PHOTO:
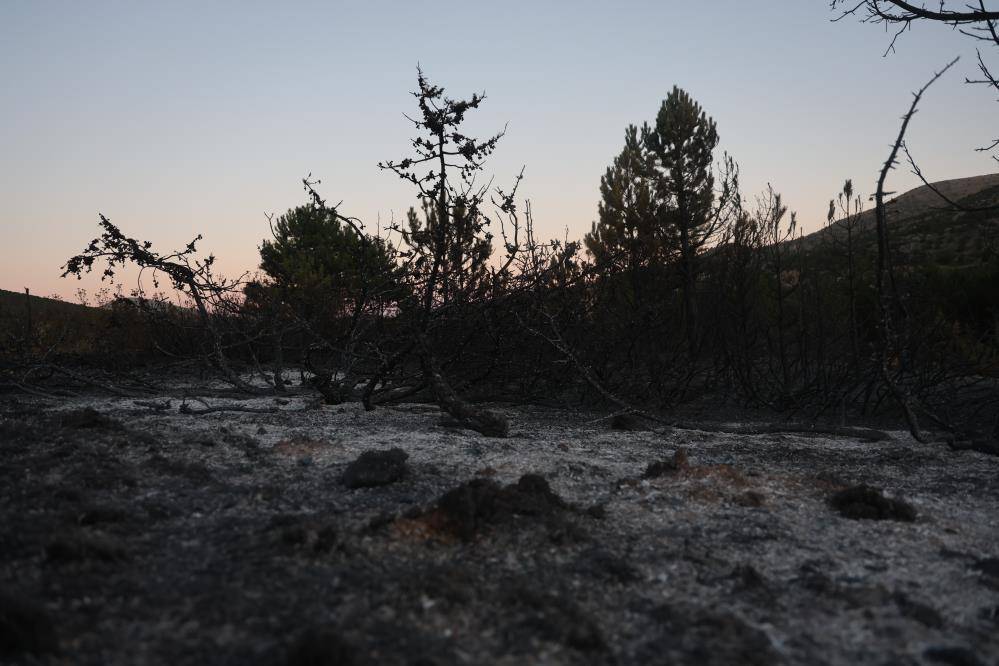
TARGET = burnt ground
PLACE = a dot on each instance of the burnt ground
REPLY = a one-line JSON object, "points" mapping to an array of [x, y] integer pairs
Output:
{"points": [[131, 535]]}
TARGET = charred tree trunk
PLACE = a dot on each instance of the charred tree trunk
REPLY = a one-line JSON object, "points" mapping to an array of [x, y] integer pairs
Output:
{"points": [[483, 421]]}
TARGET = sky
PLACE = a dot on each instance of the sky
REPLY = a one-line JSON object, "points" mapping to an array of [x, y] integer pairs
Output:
{"points": [[181, 118]]}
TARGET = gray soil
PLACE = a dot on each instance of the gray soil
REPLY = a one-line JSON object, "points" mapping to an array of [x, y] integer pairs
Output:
{"points": [[130, 535]]}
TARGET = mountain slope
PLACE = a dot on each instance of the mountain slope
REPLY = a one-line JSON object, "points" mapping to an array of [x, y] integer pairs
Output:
{"points": [[923, 228]]}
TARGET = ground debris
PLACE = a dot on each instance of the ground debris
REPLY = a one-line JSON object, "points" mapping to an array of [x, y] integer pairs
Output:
{"points": [[240, 553], [868, 503]]}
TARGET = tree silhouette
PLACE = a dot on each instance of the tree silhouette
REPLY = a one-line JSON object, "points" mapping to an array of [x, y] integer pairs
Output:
{"points": [[626, 236], [448, 248], [659, 201]]}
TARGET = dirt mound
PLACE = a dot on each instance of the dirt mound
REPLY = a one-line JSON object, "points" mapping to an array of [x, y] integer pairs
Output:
{"points": [[477, 505]]}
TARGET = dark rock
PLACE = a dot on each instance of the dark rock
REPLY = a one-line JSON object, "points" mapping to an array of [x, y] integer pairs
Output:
{"points": [[952, 655], [376, 468], [867, 503], [86, 418], [532, 496], [24, 627], [321, 647]]}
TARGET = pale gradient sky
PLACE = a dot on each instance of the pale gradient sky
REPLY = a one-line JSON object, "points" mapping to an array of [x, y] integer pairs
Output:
{"points": [[185, 117]]}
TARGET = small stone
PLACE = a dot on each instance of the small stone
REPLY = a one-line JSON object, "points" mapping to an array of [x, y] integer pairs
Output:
{"points": [[376, 468]]}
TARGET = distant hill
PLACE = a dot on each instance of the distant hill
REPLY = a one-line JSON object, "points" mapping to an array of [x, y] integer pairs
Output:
{"points": [[14, 304], [923, 228]]}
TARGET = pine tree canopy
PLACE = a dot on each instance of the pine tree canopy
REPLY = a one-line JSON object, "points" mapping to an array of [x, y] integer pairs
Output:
{"points": [[314, 257], [658, 197]]}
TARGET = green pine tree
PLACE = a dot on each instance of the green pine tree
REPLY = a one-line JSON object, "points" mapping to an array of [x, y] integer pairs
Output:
{"points": [[626, 236], [321, 267], [659, 201]]}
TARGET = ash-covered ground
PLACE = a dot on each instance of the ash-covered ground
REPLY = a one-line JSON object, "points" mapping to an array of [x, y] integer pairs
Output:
{"points": [[135, 535]]}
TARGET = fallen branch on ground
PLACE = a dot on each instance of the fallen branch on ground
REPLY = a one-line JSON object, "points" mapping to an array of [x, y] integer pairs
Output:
{"points": [[197, 411], [807, 429], [152, 404]]}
